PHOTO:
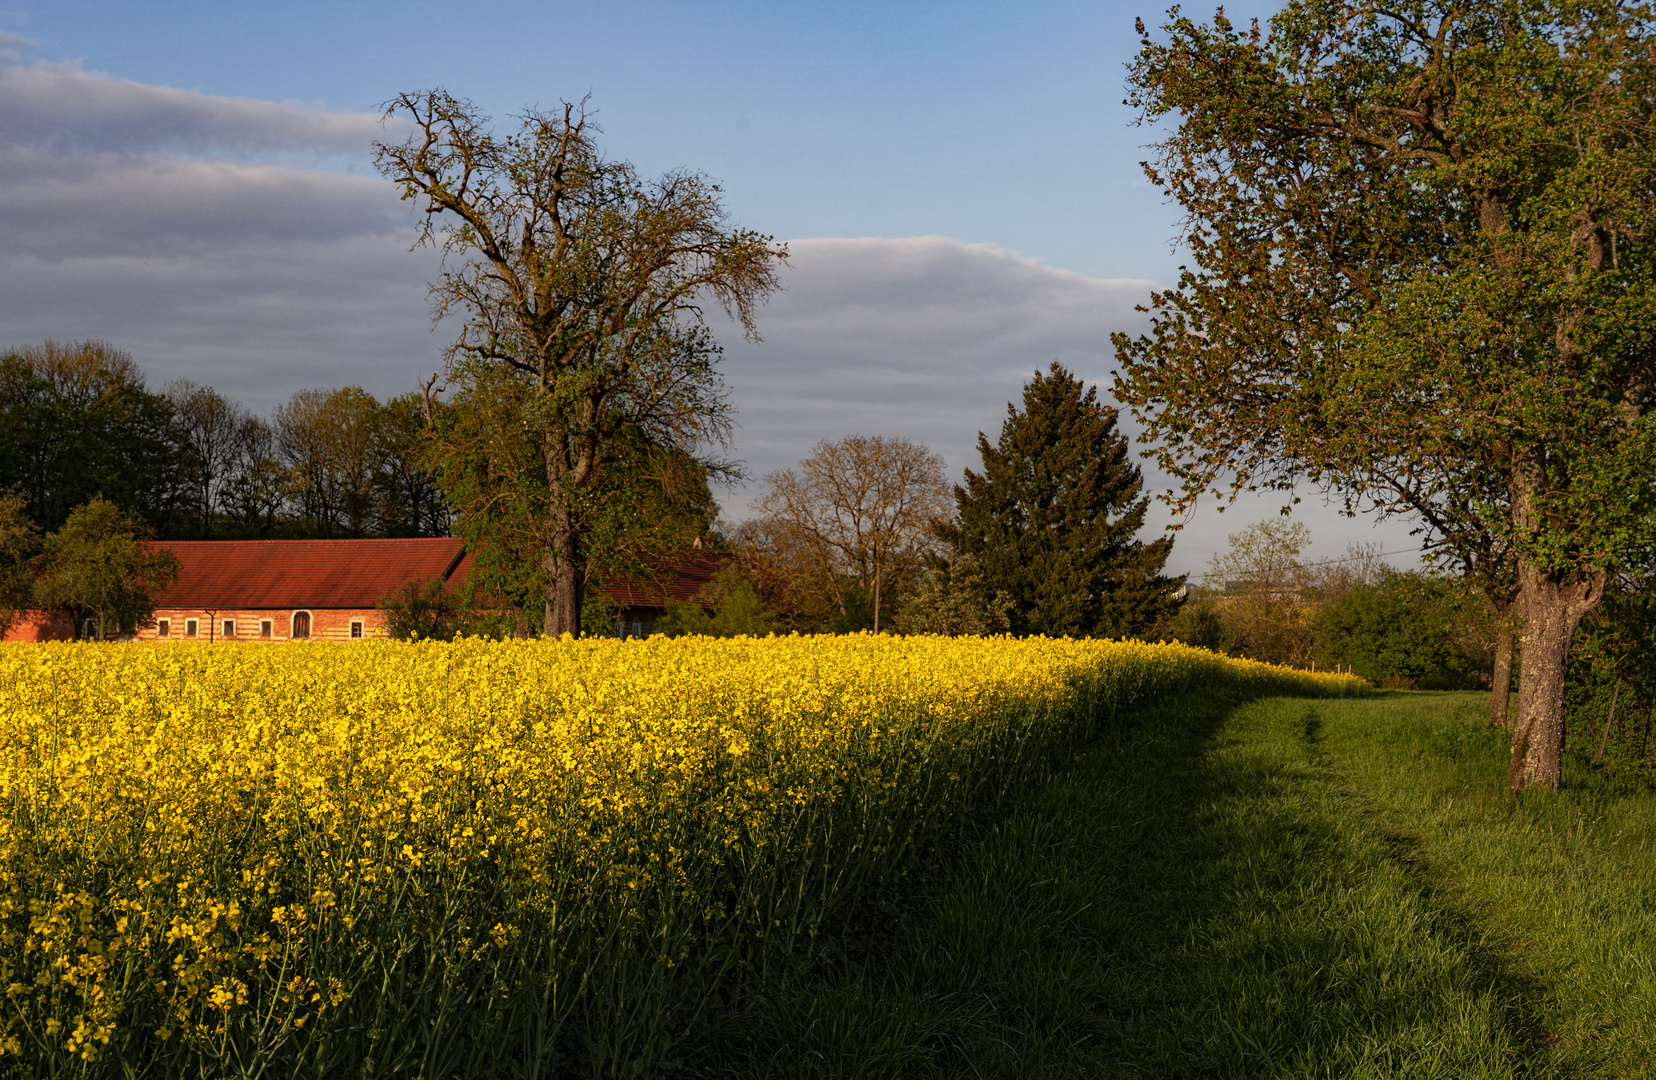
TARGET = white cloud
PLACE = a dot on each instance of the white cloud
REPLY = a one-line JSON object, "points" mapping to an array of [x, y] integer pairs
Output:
{"points": [[187, 229], [60, 105]]}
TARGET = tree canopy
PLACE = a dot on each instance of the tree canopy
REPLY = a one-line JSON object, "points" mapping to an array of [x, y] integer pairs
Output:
{"points": [[854, 520], [1421, 278], [1052, 521], [581, 290], [101, 567]]}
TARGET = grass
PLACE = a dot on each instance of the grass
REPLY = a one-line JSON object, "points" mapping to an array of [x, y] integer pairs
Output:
{"points": [[1283, 888]]}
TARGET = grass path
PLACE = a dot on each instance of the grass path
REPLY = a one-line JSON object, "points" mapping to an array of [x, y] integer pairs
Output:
{"points": [[1282, 889]]}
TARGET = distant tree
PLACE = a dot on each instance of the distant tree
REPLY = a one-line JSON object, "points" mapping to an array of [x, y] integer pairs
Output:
{"points": [[727, 606], [101, 566], [1421, 278], [210, 427], [19, 541], [76, 420], [1053, 519], [949, 599], [1398, 632], [255, 497], [1198, 623], [1264, 583], [409, 501], [585, 287], [859, 511], [326, 438]]}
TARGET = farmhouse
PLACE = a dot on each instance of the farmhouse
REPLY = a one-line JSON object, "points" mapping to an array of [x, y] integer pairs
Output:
{"points": [[293, 590], [328, 590]]}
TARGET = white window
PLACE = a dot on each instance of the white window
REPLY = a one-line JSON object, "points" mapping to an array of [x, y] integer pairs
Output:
{"points": [[229, 627], [356, 628], [265, 627], [163, 627], [189, 628]]}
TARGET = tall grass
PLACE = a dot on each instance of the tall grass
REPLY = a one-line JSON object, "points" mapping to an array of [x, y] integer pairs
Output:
{"points": [[1285, 888], [489, 859]]}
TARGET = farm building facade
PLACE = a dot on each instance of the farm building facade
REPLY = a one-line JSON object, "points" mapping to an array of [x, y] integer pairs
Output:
{"points": [[328, 590], [293, 590]]}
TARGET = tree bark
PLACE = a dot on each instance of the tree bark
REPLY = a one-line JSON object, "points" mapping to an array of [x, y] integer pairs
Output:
{"points": [[1552, 611], [563, 575], [1500, 684]]}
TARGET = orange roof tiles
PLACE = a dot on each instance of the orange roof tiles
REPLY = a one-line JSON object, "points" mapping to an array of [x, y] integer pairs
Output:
{"points": [[302, 573]]}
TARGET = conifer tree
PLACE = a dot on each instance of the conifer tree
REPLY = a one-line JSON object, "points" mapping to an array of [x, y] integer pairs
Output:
{"points": [[1053, 518]]}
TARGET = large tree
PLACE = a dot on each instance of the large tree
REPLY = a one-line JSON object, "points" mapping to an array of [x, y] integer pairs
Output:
{"points": [[101, 568], [1420, 240], [583, 284], [857, 515], [1053, 518]]}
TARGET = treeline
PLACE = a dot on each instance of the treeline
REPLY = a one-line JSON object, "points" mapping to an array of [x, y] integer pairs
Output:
{"points": [[866, 534], [1401, 630], [78, 420]]}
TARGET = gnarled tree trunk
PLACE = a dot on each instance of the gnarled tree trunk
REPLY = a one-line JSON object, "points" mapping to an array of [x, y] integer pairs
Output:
{"points": [[1552, 611]]}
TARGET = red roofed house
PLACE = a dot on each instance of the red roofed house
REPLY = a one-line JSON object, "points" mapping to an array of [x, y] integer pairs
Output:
{"points": [[643, 601], [293, 590], [296, 590]]}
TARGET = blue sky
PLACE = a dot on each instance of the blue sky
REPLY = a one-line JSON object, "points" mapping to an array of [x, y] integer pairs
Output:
{"points": [[959, 184]]}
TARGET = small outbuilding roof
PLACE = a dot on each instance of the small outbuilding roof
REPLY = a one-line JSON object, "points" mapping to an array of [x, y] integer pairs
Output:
{"points": [[681, 580], [244, 574]]}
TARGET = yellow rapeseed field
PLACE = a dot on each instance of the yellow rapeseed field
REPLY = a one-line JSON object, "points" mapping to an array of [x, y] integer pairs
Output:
{"points": [[487, 858]]}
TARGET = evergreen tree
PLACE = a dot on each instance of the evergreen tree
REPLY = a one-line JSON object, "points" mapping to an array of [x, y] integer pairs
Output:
{"points": [[1053, 518]]}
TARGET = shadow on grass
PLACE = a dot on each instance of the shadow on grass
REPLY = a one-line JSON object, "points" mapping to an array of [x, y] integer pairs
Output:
{"points": [[1195, 897]]}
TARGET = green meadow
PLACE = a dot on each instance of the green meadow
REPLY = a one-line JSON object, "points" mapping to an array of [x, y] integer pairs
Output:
{"points": [[1278, 888]]}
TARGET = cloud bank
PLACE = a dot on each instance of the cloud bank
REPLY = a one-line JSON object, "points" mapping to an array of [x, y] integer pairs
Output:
{"points": [[245, 244]]}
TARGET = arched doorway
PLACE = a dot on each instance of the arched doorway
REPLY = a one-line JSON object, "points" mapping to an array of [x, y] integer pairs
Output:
{"points": [[301, 624]]}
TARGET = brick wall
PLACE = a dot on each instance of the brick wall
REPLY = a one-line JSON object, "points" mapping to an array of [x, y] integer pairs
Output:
{"points": [[326, 624]]}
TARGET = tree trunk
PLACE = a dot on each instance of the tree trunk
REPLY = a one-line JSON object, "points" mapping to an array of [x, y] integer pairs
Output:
{"points": [[1551, 613], [563, 576], [1500, 683]]}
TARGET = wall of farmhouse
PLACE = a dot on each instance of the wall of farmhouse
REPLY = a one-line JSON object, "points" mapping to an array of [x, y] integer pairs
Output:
{"points": [[326, 624], [41, 626]]}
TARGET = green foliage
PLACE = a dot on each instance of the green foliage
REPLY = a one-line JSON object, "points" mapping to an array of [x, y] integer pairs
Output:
{"points": [[1611, 698], [1198, 623], [856, 613], [949, 600], [100, 566], [428, 609], [736, 609], [1052, 520], [76, 422], [1422, 278], [1397, 632]]}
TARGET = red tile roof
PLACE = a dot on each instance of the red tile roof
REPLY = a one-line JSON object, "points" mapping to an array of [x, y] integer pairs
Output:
{"points": [[246, 574], [683, 582]]}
